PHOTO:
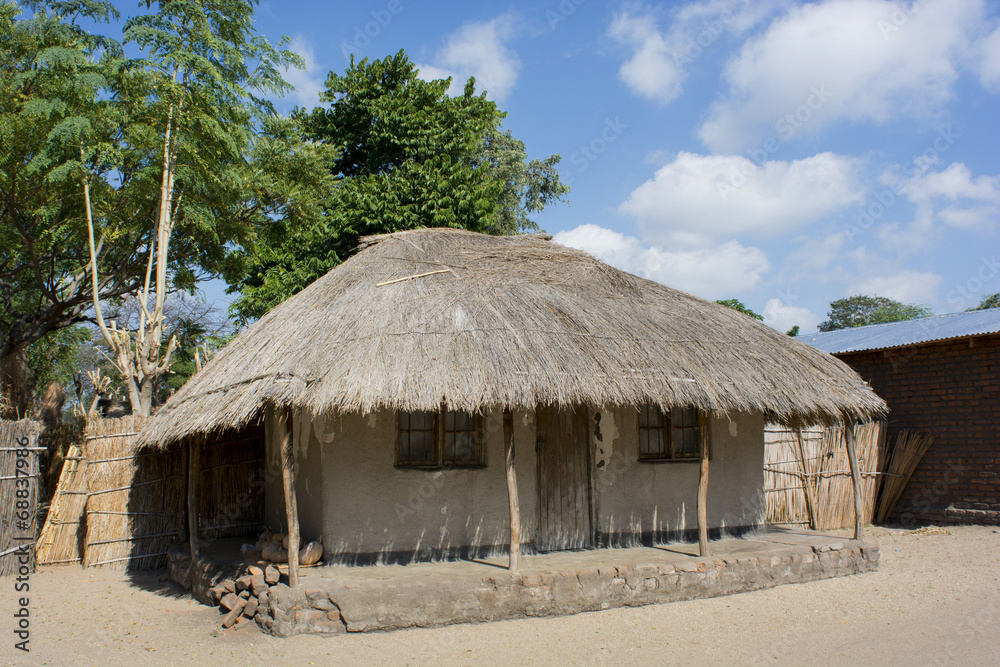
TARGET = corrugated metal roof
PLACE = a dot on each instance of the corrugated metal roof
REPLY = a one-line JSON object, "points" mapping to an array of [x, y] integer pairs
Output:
{"points": [[909, 332]]}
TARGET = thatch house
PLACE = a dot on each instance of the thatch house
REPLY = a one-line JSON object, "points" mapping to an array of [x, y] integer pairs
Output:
{"points": [[403, 382]]}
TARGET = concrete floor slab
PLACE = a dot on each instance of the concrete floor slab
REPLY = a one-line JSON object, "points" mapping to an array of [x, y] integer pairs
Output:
{"points": [[340, 598]]}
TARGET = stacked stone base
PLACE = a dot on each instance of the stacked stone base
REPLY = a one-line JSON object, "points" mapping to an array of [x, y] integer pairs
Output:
{"points": [[240, 591], [329, 606]]}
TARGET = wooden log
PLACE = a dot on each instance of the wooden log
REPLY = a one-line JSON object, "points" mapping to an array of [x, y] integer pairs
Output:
{"points": [[703, 485], [512, 500], [807, 484], [194, 471], [284, 417], [852, 458]]}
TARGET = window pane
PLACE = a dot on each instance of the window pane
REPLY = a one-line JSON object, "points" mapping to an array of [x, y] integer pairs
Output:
{"points": [[461, 446], [416, 438], [685, 442], [650, 416], [421, 446]]}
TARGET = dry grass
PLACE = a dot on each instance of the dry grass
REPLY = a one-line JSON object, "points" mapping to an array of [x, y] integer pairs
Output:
{"points": [[515, 321]]}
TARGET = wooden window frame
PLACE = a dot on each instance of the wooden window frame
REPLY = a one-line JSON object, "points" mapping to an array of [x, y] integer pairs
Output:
{"points": [[667, 455], [438, 438]]}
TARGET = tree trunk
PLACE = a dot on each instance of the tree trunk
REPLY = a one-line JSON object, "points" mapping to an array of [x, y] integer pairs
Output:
{"points": [[15, 384]]}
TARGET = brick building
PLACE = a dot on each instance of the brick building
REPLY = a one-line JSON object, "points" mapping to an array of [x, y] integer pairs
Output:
{"points": [[937, 374]]}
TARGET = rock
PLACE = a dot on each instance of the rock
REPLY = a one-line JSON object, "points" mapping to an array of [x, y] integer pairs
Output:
{"points": [[245, 594], [229, 601], [271, 575], [243, 583], [257, 584], [250, 610], [255, 571], [216, 593], [229, 585], [234, 614]]}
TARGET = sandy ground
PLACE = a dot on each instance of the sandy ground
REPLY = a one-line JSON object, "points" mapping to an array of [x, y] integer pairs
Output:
{"points": [[934, 601]]}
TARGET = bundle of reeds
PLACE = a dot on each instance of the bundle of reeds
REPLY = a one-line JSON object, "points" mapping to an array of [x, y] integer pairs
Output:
{"points": [[907, 453], [62, 535]]}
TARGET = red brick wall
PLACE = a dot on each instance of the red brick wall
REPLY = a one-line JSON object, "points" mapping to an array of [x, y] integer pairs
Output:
{"points": [[951, 389]]}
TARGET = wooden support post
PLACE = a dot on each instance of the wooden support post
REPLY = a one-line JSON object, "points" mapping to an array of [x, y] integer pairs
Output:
{"points": [[807, 484], [852, 458], [194, 472], [703, 485], [515, 510], [284, 416]]}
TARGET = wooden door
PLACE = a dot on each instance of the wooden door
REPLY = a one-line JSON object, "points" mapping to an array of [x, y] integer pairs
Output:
{"points": [[564, 513]]}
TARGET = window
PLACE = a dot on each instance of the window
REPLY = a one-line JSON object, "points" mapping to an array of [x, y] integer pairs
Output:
{"points": [[668, 438], [442, 439]]}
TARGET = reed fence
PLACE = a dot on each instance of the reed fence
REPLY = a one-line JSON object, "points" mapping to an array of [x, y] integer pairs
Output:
{"points": [[807, 477], [119, 506], [20, 491]]}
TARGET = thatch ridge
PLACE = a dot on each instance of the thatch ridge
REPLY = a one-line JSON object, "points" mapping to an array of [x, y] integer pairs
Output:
{"points": [[430, 315]]}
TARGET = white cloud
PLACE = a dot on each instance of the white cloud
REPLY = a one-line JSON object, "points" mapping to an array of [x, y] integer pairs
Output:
{"points": [[818, 254], [659, 62], [973, 202], [654, 70], [781, 316], [310, 82], [697, 199], [478, 49], [989, 68], [712, 273], [837, 60], [906, 286]]}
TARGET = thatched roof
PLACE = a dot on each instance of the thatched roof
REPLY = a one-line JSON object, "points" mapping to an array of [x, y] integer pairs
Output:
{"points": [[509, 321]]}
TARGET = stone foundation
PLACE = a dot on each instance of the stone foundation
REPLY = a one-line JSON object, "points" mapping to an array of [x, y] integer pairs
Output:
{"points": [[336, 605]]}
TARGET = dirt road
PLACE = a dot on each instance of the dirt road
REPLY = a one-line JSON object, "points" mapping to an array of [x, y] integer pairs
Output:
{"points": [[934, 601]]}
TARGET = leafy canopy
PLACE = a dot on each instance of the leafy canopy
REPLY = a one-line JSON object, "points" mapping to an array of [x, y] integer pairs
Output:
{"points": [[991, 301], [411, 156], [860, 310], [737, 305], [74, 108]]}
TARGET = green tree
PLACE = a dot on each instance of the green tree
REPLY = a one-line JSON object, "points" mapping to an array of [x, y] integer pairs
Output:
{"points": [[736, 304], [794, 331], [860, 310], [167, 161], [411, 156], [991, 301]]}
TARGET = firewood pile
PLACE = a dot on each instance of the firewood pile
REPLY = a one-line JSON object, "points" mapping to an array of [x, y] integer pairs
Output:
{"points": [[246, 594]]}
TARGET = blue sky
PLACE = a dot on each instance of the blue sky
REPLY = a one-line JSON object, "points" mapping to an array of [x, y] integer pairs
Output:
{"points": [[783, 153]]}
